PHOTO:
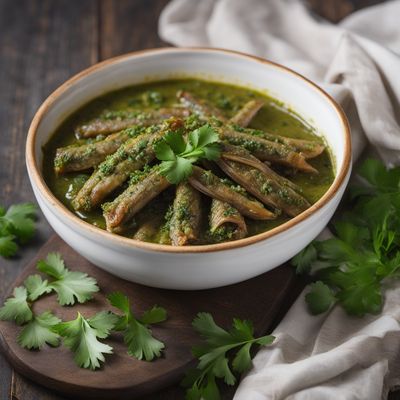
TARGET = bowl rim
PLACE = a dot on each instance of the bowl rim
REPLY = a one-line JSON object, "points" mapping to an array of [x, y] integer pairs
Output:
{"points": [[37, 178]]}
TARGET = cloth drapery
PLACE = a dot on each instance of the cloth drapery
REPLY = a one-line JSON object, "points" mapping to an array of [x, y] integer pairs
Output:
{"points": [[331, 356]]}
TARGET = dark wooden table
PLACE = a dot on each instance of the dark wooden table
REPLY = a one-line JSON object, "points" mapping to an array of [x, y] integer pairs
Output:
{"points": [[43, 43]]}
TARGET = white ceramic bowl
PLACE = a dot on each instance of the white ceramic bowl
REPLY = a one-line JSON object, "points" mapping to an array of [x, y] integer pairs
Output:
{"points": [[191, 267]]}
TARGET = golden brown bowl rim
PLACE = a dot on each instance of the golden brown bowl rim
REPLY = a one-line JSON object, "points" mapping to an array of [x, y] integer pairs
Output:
{"points": [[36, 174]]}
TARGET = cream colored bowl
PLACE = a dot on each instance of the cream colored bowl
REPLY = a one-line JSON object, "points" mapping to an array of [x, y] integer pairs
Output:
{"points": [[191, 267]]}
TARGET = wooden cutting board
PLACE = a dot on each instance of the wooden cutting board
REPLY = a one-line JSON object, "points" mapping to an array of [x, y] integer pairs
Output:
{"points": [[258, 299]]}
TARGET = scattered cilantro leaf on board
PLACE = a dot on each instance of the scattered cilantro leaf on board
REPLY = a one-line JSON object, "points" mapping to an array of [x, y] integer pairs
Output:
{"points": [[352, 267], [16, 224], [71, 286], [39, 331], [81, 337], [36, 286], [216, 358], [137, 335], [17, 308], [178, 155]]}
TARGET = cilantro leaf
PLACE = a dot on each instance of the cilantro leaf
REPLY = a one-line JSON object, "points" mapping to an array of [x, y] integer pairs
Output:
{"points": [[71, 286], [120, 301], [8, 247], [214, 361], [163, 151], [154, 316], [138, 337], [242, 360], [359, 299], [38, 331], [320, 298], [177, 156], [53, 266], [242, 330], [303, 260], [81, 337], [352, 267], [207, 391], [203, 136], [379, 177], [17, 223], [36, 286], [176, 171], [222, 370], [383, 238], [103, 322], [212, 152], [17, 308], [199, 140], [175, 141], [74, 286], [205, 325], [141, 343], [20, 220]]}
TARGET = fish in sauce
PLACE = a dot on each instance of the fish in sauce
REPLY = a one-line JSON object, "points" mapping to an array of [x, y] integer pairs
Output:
{"points": [[101, 163]]}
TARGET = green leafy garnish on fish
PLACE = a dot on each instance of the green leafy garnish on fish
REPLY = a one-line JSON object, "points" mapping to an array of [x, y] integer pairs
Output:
{"points": [[178, 155]]}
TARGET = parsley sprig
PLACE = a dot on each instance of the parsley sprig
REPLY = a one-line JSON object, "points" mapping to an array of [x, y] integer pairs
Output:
{"points": [[17, 225], [224, 353], [352, 268], [214, 356], [39, 331], [178, 155], [17, 308], [137, 335], [82, 334], [70, 286]]}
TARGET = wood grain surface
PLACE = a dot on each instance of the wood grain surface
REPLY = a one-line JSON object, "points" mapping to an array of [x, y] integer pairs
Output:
{"points": [[43, 43]]}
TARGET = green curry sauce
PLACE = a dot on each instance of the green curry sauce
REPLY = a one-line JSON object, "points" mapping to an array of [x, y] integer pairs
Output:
{"points": [[273, 117]]}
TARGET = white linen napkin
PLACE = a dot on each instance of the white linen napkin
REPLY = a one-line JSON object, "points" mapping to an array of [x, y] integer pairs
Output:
{"points": [[331, 356]]}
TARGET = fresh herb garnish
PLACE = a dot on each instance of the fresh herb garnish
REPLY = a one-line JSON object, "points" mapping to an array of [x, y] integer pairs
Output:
{"points": [[82, 334], [351, 268], [214, 361], [36, 286], [39, 331], [81, 337], [17, 308], [137, 336], [178, 155], [70, 286], [17, 224], [303, 260]]}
